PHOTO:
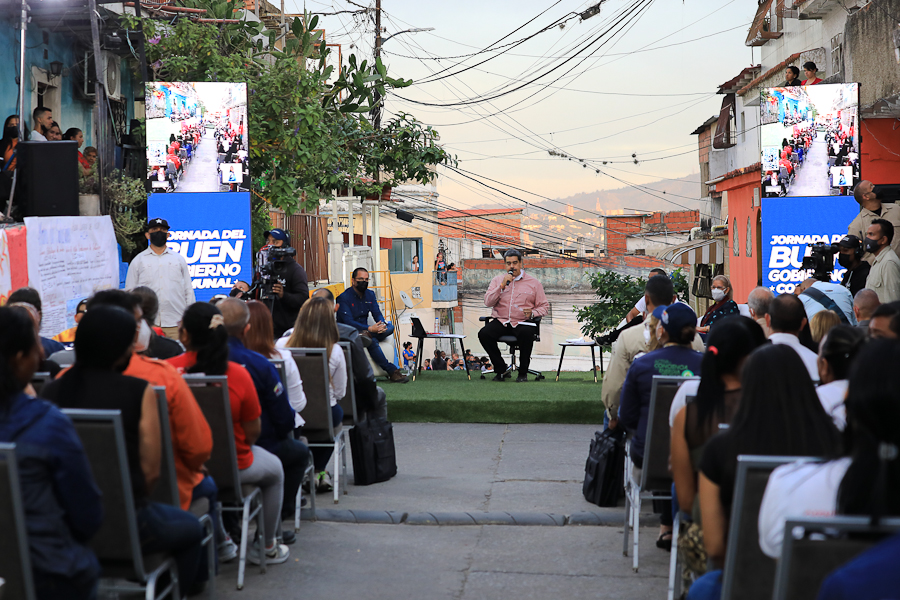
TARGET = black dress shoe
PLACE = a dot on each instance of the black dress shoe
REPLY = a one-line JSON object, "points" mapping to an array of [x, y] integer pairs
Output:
{"points": [[497, 377], [288, 537], [521, 378]]}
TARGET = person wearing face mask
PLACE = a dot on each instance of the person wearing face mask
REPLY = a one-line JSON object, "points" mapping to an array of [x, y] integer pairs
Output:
{"points": [[724, 305], [354, 307], [292, 289], [871, 208], [104, 349], [850, 257], [884, 277], [166, 273]]}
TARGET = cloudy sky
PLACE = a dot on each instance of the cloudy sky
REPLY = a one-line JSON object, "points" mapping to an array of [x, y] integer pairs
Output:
{"points": [[636, 78]]}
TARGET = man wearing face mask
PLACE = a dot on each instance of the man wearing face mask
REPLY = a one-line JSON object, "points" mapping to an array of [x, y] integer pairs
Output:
{"points": [[354, 307], [850, 257], [293, 292], [884, 277], [166, 273], [871, 208]]}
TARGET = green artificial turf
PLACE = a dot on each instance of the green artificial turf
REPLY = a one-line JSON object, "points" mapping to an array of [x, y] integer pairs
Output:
{"points": [[448, 397]]}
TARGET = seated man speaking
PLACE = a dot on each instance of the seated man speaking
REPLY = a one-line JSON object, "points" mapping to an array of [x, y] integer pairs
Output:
{"points": [[514, 297], [354, 307]]}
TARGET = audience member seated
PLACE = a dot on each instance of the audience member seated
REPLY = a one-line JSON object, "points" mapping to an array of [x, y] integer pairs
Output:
{"points": [[715, 402], [409, 357], [42, 118], [865, 480], [438, 363], [837, 352], [62, 503], [779, 415], [426, 366], [880, 325], [724, 305], [786, 319], [864, 304], [54, 134], [45, 366], [76, 135], [31, 296], [316, 328], [659, 291], [103, 348], [202, 331], [68, 336], [278, 416], [758, 303], [873, 575], [823, 295], [456, 363], [821, 323], [675, 357], [159, 346], [640, 306]]}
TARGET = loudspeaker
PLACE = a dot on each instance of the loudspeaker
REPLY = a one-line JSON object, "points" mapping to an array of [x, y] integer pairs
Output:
{"points": [[48, 178]]}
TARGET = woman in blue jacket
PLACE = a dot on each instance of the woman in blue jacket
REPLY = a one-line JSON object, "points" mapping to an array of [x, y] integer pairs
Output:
{"points": [[61, 500]]}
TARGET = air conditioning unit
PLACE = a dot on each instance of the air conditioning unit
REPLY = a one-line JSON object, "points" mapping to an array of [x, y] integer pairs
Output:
{"points": [[112, 75]]}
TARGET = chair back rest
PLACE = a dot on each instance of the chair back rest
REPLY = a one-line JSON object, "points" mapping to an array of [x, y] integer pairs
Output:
{"points": [[211, 392], [814, 547], [15, 559], [39, 380], [282, 371], [655, 473], [313, 366], [348, 402], [103, 437], [166, 490], [749, 573]]}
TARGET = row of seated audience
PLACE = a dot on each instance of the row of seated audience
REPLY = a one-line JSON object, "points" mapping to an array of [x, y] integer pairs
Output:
{"points": [[114, 366], [766, 388]]}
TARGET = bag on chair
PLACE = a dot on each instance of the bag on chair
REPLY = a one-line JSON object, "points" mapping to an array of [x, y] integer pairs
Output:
{"points": [[604, 470], [372, 450]]}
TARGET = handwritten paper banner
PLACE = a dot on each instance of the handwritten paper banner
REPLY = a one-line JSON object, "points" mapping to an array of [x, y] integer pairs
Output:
{"points": [[69, 258]]}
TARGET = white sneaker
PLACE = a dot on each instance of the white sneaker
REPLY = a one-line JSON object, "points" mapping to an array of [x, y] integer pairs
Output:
{"points": [[275, 555], [228, 550]]}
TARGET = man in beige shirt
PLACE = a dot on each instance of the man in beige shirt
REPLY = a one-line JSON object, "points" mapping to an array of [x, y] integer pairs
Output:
{"points": [[871, 208], [660, 291], [884, 277]]}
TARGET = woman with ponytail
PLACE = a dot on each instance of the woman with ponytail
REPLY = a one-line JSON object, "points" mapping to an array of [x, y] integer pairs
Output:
{"points": [[837, 351], [203, 334]]}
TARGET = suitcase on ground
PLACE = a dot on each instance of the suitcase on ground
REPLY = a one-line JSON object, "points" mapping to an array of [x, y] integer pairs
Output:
{"points": [[372, 451]]}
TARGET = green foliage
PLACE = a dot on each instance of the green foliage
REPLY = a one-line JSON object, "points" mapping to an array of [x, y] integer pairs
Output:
{"points": [[308, 136], [679, 279], [616, 294], [125, 197]]}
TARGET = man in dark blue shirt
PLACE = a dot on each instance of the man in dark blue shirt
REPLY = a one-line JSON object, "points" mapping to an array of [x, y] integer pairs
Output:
{"points": [[277, 416], [354, 307]]}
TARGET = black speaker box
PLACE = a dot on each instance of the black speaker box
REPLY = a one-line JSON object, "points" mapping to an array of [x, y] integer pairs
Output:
{"points": [[48, 179]]}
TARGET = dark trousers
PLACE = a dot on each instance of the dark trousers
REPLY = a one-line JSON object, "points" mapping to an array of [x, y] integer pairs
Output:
{"points": [[321, 454], [51, 586], [207, 489], [294, 456], [494, 330], [378, 355], [164, 528]]}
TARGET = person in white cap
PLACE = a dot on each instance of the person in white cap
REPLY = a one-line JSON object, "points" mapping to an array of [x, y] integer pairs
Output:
{"points": [[166, 273]]}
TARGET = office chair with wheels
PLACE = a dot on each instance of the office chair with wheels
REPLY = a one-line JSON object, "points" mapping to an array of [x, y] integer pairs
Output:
{"points": [[513, 345]]}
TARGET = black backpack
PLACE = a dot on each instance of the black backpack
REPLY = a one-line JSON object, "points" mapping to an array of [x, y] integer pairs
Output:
{"points": [[372, 450], [604, 470]]}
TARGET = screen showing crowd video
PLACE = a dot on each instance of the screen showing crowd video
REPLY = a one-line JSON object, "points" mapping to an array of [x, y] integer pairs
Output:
{"points": [[197, 137], [809, 138]]}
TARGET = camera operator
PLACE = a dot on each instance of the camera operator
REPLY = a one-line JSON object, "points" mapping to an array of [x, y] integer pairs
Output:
{"points": [[850, 257], [291, 289]]}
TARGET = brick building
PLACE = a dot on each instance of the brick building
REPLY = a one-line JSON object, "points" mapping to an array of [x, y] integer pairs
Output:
{"points": [[641, 233]]}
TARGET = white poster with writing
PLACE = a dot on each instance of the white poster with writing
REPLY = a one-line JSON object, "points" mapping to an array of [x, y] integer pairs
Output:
{"points": [[69, 258]]}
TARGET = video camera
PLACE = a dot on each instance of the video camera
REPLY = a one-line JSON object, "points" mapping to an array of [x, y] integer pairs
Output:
{"points": [[820, 260], [272, 264]]}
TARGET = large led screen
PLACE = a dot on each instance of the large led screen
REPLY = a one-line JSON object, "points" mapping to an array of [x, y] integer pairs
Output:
{"points": [[197, 137], [809, 139]]}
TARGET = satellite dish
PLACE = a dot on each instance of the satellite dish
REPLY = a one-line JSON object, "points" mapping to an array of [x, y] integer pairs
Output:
{"points": [[407, 302]]}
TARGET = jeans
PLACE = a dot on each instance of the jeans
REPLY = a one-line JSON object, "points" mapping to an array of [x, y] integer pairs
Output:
{"points": [[164, 528], [267, 473], [322, 454], [376, 353], [207, 489], [51, 586], [294, 456], [707, 587]]}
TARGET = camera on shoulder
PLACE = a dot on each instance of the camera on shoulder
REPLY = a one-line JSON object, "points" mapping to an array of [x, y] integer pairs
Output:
{"points": [[820, 260]]}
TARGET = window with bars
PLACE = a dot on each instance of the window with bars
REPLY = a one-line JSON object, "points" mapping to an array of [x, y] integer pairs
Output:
{"points": [[402, 254]]}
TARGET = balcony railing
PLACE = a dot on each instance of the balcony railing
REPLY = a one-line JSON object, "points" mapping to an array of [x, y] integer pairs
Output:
{"points": [[444, 286]]}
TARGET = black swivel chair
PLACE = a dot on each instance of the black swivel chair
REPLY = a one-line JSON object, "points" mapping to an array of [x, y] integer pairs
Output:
{"points": [[513, 345]]}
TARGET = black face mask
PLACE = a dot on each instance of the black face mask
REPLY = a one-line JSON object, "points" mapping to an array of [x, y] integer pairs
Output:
{"points": [[11, 132], [236, 293], [845, 260], [158, 238], [362, 286], [871, 245]]}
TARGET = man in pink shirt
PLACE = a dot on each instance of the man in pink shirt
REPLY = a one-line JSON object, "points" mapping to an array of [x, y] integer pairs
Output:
{"points": [[514, 297]]}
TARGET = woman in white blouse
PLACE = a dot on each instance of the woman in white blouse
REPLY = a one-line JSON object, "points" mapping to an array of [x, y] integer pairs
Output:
{"points": [[837, 351], [316, 328]]}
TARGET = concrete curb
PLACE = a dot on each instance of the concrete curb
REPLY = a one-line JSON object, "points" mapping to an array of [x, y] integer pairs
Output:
{"points": [[457, 519]]}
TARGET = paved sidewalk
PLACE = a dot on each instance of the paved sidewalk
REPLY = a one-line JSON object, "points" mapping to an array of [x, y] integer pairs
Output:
{"points": [[453, 469]]}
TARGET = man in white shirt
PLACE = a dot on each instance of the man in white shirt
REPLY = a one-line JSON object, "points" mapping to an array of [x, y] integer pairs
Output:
{"points": [[641, 306], [166, 273], [43, 120], [786, 319]]}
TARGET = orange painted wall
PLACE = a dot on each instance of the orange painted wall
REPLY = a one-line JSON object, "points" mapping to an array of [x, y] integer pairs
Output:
{"points": [[880, 150], [744, 270]]}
